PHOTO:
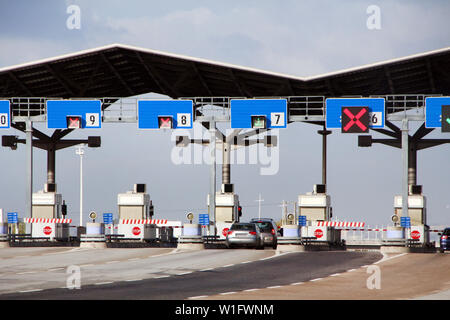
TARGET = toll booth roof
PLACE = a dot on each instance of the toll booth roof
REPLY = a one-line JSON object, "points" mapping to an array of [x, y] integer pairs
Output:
{"points": [[119, 70]]}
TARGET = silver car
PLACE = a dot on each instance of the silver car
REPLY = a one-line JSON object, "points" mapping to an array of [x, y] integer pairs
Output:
{"points": [[244, 234], [268, 229]]}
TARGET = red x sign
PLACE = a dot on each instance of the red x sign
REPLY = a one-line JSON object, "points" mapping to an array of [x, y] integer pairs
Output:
{"points": [[165, 122], [355, 119], [73, 122]]}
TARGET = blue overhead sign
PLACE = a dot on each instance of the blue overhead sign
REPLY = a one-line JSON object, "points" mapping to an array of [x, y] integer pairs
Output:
{"points": [[433, 111], [251, 113], [5, 114], [170, 114], [61, 112], [334, 110]]}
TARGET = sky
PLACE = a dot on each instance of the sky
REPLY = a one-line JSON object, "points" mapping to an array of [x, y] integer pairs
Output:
{"points": [[301, 38]]}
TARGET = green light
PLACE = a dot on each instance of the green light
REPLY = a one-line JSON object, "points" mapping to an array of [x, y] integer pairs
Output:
{"points": [[258, 122]]}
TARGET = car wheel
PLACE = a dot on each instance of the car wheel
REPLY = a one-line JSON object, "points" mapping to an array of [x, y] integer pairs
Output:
{"points": [[274, 246]]}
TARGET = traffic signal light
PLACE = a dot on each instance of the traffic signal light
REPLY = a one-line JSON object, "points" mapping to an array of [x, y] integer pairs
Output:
{"points": [[64, 208], [259, 122], [239, 211], [165, 122], [355, 120], [73, 122], [445, 119]]}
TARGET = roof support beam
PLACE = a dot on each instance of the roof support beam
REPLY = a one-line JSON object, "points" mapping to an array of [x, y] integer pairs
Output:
{"points": [[243, 91], [118, 76], [200, 77], [160, 82], [387, 73], [60, 80], [28, 91], [430, 75]]}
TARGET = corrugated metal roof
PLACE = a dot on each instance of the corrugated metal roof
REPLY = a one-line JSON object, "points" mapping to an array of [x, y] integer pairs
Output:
{"points": [[121, 71]]}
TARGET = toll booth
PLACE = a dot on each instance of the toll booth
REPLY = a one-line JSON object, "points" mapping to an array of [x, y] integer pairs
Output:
{"points": [[135, 212], [227, 210], [315, 208], [46, 215], [417, 213]]}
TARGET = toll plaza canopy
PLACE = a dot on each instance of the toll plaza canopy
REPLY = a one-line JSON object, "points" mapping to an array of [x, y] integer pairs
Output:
{"points": [[121, 71]]}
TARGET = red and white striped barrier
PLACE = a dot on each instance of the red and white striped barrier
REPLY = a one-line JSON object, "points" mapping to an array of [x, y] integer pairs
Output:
{"points": [[158, 222], [340, 224], [370, 229], [46, 220]]}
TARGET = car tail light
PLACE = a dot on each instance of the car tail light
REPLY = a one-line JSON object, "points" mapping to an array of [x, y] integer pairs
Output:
{"points": [[444, 237], [229, 232], [253, 233], [273, 231]]}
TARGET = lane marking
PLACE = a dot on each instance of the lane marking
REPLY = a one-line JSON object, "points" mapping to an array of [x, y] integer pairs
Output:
{"points": [[226, 293], [87, 265], [27, 272], [250, 290], [102, 283], [386, 258], [134, 259], [273, 287], [110, 262], [183, 273], [160, 277], [245, 262], [198, 297], [316, 279], [207, 269], [296, 283], [32, 290], [228, 265], [132, 280], [56, 269], [351, 270], [335, 275]]}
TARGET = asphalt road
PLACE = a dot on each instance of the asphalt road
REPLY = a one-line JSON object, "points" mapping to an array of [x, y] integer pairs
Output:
{"points": [[274, 271]]}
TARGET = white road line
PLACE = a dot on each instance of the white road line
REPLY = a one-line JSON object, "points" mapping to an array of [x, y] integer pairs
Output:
{"points": [[55, 269], [335, 275], [273, 287], [26, 272], [134, 259], [316, 279], [101, 283], [87, 265], [132, 280], [32, 290], [225, 293], [385, 258], [250, 290], [114, 261], [246, 262], [183, 273], [207, 269], [228, 265], [160, 277], [198, 297], [296, 283], [351, 270]]}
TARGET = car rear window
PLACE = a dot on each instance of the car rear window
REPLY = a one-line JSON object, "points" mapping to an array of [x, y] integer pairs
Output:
{"points": [[247, 227], [264, 225], [447, 232]]}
